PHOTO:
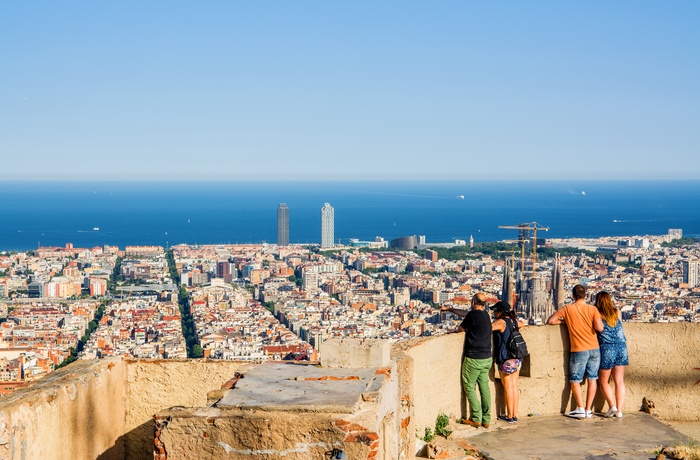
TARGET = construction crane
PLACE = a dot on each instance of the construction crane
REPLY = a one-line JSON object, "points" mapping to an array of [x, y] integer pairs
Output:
{"points": [[523, 228]]}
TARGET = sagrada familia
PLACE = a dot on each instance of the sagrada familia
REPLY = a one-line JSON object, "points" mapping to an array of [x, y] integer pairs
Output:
{"points": [[529, 292]]}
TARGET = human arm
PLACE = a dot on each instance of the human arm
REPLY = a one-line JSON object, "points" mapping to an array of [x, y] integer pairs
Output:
{"points": [[597, 322], [498, 325], [556, 318], [521, 324], [459, 312]]}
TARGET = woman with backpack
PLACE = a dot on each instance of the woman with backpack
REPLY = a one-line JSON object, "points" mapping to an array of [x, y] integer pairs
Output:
{"points": [[505, 324]]}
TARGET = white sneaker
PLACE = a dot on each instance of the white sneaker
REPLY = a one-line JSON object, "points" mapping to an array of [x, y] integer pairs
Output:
{"points": [[619, 414], [580, 412], [612, 412], [589, 413]]}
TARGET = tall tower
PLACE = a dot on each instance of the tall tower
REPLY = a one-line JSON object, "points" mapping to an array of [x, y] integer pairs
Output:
{"points": [[690, 272], [508, 289], [283, 225], [557, 284], [327, 225]]}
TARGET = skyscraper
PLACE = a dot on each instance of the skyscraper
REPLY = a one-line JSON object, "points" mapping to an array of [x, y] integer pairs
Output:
{"points": [[690, 272], [327, 225], [283, 225]]}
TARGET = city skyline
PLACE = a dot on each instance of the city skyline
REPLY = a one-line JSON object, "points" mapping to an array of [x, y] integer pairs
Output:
{"points": [[393, 91]]}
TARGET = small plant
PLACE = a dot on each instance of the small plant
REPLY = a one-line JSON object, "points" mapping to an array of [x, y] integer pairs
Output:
{"points": [[429, 436], [441, 424]]}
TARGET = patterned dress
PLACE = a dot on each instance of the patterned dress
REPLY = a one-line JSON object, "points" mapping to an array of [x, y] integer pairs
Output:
{"points": [[613, 346]]}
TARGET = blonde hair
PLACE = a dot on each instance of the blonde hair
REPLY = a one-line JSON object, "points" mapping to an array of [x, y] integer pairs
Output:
{"points": [[605, 306]]}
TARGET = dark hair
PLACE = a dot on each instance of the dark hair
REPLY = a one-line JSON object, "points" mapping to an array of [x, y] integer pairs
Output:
{"points": [[479, 299], [579, 292], [504, 308]]}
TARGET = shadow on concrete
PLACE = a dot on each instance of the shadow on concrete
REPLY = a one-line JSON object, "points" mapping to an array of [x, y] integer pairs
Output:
{"points": [[136, 444]]}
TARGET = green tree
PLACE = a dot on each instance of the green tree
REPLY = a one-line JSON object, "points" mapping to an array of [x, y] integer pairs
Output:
{"points": [[189, 331]]}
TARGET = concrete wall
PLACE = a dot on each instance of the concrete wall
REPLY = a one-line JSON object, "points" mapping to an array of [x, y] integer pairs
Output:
{"points": [[75, 413], [663, 362], [367, 429], [104, 409], [213, 433], [155, 385]]}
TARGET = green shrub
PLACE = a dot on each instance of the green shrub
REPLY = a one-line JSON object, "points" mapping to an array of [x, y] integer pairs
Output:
{"points": [[441, 424]]}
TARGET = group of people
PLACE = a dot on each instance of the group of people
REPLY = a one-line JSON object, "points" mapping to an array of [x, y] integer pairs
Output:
{"points": [[598, 351]]}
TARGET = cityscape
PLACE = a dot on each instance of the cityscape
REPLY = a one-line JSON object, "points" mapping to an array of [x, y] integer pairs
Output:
{"points": [[260, 302], [349, 230]]}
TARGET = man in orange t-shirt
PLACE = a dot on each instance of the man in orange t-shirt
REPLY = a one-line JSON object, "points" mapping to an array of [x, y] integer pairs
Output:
{"points": [[582, 321]]}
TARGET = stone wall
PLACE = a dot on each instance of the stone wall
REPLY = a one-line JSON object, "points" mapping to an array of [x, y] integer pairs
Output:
{"points": [[74, 413], [663, 367]]}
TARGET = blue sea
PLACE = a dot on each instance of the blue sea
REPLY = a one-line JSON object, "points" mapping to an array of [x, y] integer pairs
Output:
{"points": [[167, 213]]}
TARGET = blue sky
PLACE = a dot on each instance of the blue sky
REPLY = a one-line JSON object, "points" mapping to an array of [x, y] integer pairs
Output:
{"points": [[233, 90]]}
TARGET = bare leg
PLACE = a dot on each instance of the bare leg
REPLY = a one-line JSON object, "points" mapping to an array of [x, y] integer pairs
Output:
{"points": [[507, 381], [618, 374], [590, 394], [515, 394], [578, 396], [605, 388]]}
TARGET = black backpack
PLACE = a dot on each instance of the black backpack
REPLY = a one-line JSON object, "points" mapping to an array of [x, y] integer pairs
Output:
{"points": [[516, 346]]}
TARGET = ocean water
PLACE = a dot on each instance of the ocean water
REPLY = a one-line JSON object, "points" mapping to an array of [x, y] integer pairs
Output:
{"points": [[167, 213]]}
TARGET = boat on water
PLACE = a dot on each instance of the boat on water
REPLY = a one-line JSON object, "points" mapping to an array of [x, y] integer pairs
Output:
{"points": [[97, 229], [460, 197]]}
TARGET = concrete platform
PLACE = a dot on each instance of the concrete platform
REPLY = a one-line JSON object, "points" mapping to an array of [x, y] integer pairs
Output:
{"points": [[293, 388], [533, 438]]}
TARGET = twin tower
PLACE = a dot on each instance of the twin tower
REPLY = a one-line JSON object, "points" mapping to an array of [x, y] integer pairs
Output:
{"points": [[327, 225]]}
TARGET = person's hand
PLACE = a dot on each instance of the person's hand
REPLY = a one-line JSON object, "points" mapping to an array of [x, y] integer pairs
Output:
{"points": [[445, 308]]}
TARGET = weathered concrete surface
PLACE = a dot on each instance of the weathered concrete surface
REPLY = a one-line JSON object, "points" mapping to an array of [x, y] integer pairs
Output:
{"points": [[154, 385], [64, 417], [213, 433], [292, 387], [631, 438], [353, 353], [290, 411]]}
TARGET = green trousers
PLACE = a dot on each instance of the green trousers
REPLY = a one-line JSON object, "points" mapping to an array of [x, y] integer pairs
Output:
{"points": [[475, 372]]}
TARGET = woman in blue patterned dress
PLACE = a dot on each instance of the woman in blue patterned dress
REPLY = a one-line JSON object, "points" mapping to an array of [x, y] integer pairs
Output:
{"points": [[613, 354]]}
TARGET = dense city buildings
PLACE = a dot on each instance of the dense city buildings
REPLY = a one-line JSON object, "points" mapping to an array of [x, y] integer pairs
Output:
{"points": [[283, 225], [259, 302], [327, 225]]}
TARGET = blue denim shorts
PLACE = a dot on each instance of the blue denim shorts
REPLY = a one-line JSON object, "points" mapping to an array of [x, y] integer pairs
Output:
{"points": [[584, 364], [613, 355]]}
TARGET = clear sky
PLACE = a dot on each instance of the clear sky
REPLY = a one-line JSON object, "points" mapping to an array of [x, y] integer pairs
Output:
{"points": [[225, 90]]}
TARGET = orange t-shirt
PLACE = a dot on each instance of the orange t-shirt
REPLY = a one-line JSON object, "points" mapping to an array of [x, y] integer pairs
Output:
{"points": [[579, 321]]}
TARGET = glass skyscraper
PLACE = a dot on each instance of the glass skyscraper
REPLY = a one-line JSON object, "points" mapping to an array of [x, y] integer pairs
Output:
{"points": [[327, 225], [283, 225]]}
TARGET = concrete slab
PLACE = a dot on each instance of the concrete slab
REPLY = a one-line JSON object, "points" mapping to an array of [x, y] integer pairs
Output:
{"points": [[292, 388], [532, 438]]}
